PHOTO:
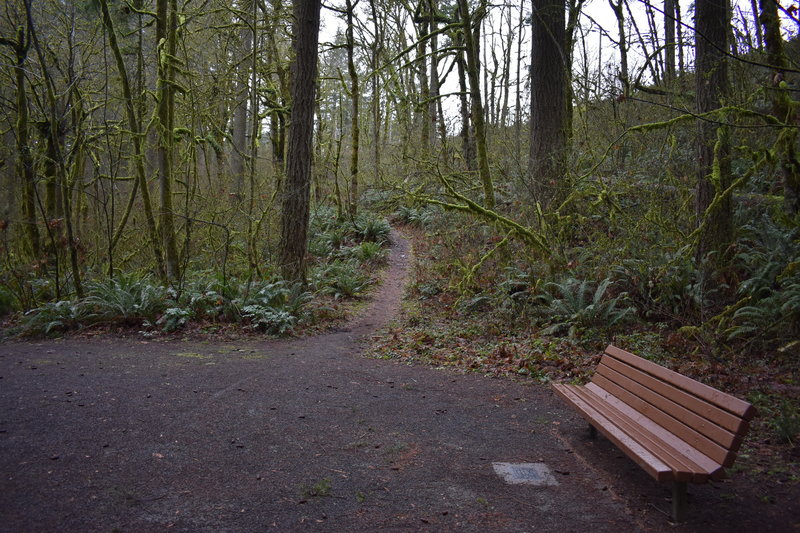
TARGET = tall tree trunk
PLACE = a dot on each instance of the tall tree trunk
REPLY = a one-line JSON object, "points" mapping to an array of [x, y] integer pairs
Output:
{"points": [[239, 126], [547, 162], [679, 27], [473, 75], [669, 40], [506, 75], [466, 134], [278, 133], [54, 136], [355, 95], [295, 204], [255, 125], [759, 33], [21, 45], [713, 163], [518, 90], [166, 39], [377, 48], [783, 108], [434, 101], [622, 43], [423, 107]]}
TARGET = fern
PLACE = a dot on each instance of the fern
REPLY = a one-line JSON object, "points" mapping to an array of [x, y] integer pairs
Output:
{"points": [[574, 304], [123, 299], [49, 318], [274, 322], [770, 314]]}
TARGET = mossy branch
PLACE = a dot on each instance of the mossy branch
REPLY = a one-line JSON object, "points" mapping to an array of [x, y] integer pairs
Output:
{"points": [[470, 275], [527, 235]]}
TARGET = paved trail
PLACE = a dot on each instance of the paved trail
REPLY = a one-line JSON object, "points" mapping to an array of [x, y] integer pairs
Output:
{"points": [[286, 435]]}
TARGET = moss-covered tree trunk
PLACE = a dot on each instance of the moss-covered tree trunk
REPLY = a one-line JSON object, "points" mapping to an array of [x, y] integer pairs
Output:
{"points": [[166, 39], [713, 163], [783, 108], [25, 165], [355, 97], [470, 23]]}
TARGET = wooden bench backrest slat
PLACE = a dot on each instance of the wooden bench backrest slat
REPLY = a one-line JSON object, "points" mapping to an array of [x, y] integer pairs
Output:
{"points": [[710, 394], [717, 424], [701, 442], [685, 461]]}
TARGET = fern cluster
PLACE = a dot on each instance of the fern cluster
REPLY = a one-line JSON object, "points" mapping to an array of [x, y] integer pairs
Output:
{"points": [[574, 304], [769, 309]]}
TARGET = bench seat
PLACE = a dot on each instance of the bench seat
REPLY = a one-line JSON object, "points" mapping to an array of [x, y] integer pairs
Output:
{"points": [[675, 428]]}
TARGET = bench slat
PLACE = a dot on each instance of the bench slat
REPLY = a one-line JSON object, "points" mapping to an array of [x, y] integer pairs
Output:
{"points": [[721, 425], [704, 466], [683, 469], [718, 398], [684, 432], [647, 461], [665, 408]]}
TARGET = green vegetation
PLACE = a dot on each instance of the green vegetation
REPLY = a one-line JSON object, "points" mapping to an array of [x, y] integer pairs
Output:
{"points": [[272, 306]]}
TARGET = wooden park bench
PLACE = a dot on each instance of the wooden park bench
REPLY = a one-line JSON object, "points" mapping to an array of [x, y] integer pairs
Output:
{"points": [[675, 428]]}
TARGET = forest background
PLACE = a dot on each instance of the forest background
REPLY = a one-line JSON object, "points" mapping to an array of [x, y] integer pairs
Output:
{"points": [[572, 173]]}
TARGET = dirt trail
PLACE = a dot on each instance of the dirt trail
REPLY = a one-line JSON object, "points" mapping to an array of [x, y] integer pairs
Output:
{"points": [[291, 435]]}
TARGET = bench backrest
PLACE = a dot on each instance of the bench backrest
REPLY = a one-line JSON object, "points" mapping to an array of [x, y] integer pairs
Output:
{"points": [[711, 421]]}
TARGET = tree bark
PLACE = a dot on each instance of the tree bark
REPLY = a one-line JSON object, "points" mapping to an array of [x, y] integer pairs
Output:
{"points": [[622, 44], [137, 139], [239, 124], [713, 163], [25, 163], [166, 39], [466, 133], [548, 144], [296, 192], [473, 75], [669, 40], [782, 107], [377, 48], [355, 95]]}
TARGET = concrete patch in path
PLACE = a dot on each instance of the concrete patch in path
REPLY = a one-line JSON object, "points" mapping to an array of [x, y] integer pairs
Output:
{"points": [[525, 474]]}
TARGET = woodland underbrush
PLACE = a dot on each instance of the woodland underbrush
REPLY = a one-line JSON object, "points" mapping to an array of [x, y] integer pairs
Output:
{"points": [[346, 256], [483, 302]]}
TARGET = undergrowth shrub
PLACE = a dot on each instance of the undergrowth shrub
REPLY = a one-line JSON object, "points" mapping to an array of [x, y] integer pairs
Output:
{"points": [[49, 318], [372, 228], [268, 320], [174, 318], [275, 307], [212, 300], [345, 250], [421, 217], [340, 279], [369, 252], [7, 301], [573, 304], [663, 287], [126, 298], [768, 312]]}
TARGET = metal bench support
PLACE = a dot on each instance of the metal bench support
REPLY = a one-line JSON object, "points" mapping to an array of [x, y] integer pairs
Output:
{"points": [[679, 501]]}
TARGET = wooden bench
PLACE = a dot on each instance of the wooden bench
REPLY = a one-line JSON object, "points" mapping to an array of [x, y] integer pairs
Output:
{"points": [[677, 429]]}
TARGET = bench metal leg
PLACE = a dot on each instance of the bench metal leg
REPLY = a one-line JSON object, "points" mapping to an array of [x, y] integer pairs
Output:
{"points": [[592, 432], [679, 501]]}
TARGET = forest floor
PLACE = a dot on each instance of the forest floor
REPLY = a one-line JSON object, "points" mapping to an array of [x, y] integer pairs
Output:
{"points": [[197, 434]]}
